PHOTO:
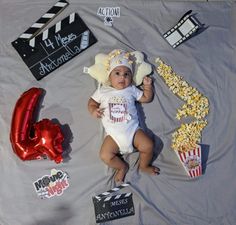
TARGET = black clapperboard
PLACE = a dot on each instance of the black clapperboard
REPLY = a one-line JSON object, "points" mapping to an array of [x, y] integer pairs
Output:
{"points": [[187, 27], [109, 206], [45, 52]]}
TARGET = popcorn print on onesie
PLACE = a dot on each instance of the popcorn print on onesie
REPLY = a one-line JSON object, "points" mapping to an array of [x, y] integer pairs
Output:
{"points": [[118, 110]]}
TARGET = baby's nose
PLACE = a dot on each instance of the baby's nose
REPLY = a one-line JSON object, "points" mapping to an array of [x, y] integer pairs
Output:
{"points": [[123, 75]]}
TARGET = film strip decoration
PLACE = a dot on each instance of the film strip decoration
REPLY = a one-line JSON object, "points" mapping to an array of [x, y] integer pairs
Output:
{"points": [[109, 206], [47, 51], [187, 26]]}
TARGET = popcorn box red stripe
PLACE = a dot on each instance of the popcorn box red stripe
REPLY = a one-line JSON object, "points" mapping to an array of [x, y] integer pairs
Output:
{"points": [[191, 161]]}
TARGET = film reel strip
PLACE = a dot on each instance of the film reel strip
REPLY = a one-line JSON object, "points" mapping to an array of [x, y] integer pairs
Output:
{"points": [[187, 26]]}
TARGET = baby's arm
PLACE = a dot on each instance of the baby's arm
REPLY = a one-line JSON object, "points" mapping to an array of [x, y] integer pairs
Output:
{"points": [[93, 108], [147, 90]]}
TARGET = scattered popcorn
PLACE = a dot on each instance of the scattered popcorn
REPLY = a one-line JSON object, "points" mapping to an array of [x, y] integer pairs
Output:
{"points": [[113, 54], [196, 105], [188, 135]]}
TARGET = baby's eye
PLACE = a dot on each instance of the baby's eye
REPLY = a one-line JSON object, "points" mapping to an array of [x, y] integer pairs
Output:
{"points": [[117, 73], [127, 74]]}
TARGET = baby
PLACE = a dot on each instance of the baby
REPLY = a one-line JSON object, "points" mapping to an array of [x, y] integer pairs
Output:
{"points": [[115, 105]]}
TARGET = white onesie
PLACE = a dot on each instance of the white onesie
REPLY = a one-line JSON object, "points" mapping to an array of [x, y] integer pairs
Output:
{"points": [[120, 118]]}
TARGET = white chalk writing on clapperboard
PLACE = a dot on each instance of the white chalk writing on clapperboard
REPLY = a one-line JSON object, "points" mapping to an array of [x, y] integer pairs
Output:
{"points": [[116, 214], [62, 42], [45, 52], [108, 13]]}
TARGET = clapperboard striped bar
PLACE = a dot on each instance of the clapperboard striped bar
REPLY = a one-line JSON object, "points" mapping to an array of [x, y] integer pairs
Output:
{"points": [[116, 197], [55, 46], [44, 20], [110, 206], [192, 161], [183, 30], [106, 193], [53, 30]]}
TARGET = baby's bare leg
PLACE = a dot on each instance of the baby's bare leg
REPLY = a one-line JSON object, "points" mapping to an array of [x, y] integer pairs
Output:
{"points": [[145, 147], [108, 154]]}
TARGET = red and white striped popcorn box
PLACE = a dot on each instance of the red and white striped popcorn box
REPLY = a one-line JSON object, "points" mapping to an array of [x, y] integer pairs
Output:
{"points": [[191, 161]]}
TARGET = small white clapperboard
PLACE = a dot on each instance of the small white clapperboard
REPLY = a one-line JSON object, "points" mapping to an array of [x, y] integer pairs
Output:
{"points": [[45, 52], [186, 28], [109, 206]]}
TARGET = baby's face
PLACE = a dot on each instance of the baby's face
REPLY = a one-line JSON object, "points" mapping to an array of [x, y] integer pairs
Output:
{"points": [[120, 77]]}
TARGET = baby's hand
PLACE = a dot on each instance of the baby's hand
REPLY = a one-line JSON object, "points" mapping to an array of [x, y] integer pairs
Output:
{"points": [[147, 80], [98, 113]]}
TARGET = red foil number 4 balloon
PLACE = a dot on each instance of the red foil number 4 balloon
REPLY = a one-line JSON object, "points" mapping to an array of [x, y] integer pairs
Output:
{"points": [[31, 140]]}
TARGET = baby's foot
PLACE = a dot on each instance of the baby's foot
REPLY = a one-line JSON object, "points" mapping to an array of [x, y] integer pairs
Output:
{"points": [[150, 170], [120, 174]]}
